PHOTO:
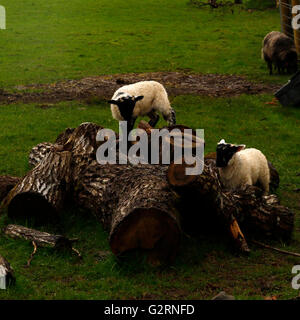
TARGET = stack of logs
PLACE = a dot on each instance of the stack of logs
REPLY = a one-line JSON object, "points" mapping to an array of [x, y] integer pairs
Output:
{"points": [[142, 206]]}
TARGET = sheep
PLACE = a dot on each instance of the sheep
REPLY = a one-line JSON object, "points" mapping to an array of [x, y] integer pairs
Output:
{"points": [[280, 50], [238, 166], [139, 99]]}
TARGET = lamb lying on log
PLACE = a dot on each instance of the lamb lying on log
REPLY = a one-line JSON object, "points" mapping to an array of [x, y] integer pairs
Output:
{"points": [[7, 277], [263, 216], [239, 166]]}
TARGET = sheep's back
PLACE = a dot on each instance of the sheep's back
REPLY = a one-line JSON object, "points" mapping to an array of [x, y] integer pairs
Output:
{"points": [[154, 94], [275, 43], [253, 160]]}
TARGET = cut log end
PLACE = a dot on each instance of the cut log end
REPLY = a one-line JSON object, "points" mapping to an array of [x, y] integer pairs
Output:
{"points": [[148, 229], [177, 175], [31, 206]]}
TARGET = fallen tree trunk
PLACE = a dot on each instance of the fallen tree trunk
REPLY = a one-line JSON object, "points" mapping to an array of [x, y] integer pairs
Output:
{"points": [[40, 238], [6, 184], [39, 152], [40, 195], [256, 214], [7, 277], [136, 206]]}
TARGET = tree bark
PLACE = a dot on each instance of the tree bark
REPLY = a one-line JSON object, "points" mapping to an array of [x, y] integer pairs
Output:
{"points": [[6, 184], [39, 152], [257, 214], [6, 274], [40, 238], [41, 194], [135, 205]]}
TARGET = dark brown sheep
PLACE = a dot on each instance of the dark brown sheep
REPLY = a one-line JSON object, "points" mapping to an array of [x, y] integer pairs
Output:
{"points": [[280, 50]]}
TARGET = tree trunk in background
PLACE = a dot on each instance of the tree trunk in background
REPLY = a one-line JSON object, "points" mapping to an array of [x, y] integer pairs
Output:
{"points": [[286, 18], [6, 184], [297, 31]]}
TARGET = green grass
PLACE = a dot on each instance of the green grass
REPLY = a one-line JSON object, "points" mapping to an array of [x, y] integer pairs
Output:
{"points": [[205, 264], [50, 40]]}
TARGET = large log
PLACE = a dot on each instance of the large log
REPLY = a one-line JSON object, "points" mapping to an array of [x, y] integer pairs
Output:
{"points": [[257, 214], [7, 277], [135, 205], [6, 184], [41, 194], [38, 153]]}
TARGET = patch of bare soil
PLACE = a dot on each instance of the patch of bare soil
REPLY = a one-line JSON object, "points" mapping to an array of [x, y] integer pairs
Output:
{"points": [[103, 87]]}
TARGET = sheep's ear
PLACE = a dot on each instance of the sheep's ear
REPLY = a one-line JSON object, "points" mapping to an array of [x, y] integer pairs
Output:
{"points": [[222, 142], [240, 147], [113, 101], [138, 98]]}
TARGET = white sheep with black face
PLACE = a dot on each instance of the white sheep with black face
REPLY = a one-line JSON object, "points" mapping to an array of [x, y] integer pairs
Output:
{"points": [[239, 166], [140, 99]]}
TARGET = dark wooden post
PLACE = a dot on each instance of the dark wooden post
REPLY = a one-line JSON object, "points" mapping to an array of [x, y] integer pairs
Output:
{"points": [[286, 18]]}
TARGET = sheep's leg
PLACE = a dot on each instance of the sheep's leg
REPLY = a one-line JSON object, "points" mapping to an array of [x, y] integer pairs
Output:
{"points": [[130, 124], [270, 67], [154, 117], [170, 117], [265, 184]]}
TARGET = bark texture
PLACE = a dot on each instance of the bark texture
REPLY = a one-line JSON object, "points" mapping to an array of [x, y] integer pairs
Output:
{"points": [[41, 193], [6, 184], [136, 206], [40, 238]]}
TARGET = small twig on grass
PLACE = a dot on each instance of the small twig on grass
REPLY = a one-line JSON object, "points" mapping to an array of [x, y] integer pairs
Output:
{"points": [[275, 249], [77, 252], [32, 254]]}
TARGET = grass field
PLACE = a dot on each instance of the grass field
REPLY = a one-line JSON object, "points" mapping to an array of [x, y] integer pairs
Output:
{"points": [[47, 41], [50, 41]]}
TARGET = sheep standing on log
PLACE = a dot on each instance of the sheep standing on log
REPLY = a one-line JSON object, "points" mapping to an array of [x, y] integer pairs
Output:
{"points": [[280, 50], [239, 166], [140, 99]]}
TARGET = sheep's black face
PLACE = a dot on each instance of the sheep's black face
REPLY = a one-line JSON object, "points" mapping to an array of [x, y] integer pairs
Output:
{"points": [[225, 151], [126, 104]]}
